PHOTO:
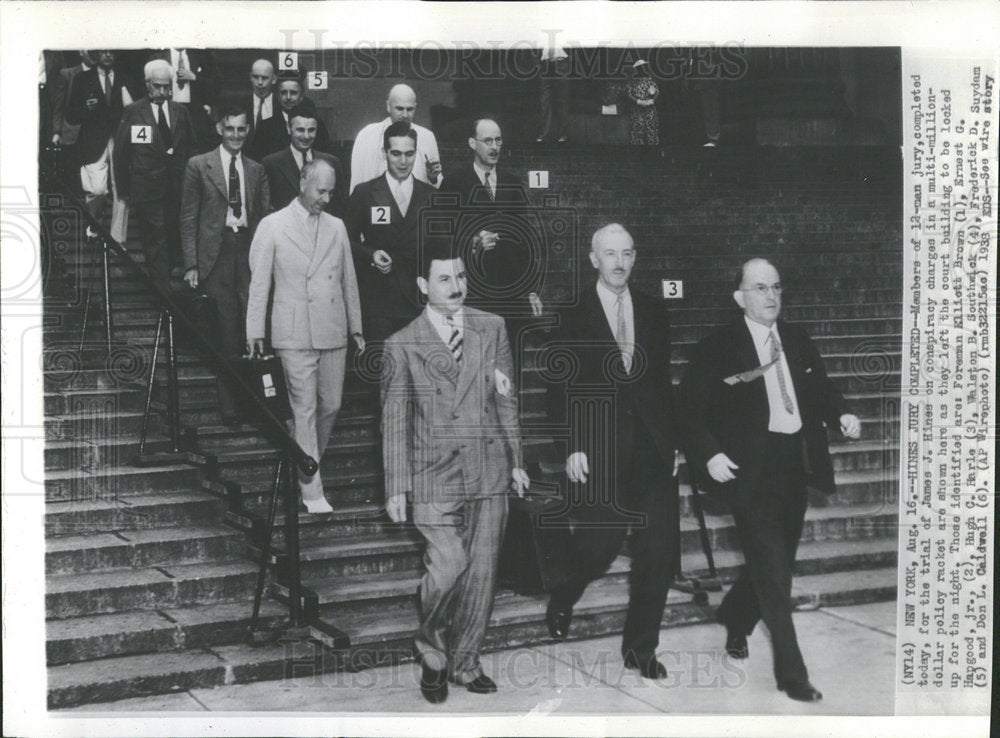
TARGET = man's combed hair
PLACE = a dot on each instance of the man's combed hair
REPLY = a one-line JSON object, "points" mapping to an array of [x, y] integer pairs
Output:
{"points": [[303, 109], [436, 248], [398, 130], [230, 110]]}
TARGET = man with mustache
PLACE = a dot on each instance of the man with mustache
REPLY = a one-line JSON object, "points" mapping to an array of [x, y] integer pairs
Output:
{"points": [[154, 140], [451, 445], [756, 398], [619, 434]]}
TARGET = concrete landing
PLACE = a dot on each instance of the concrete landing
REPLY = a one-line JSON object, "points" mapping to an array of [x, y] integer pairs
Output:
{"points": [[850, 652]]}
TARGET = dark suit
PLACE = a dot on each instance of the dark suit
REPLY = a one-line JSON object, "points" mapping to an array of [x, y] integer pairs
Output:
{"points": [[388, 301], [283, 176], [97, 125], [149, 176], [272, 135], [768, 496], [626, 425], [222, 256], [203, 92], [499, 279], [451, 441]]}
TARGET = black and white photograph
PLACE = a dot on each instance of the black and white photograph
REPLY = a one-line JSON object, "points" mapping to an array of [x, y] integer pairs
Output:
{"points": [[515, 368]]}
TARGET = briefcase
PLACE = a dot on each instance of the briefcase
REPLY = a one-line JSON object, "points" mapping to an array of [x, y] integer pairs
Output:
{"points": [[535, 556], [201, 310], [267, 380]]}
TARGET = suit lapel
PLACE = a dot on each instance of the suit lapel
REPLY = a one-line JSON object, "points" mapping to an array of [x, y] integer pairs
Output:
{"points": [[385, 195], [214, 167], [431, 350], [249, 187], [598, 316], [745, 346], [289, 170], [324, 242]]}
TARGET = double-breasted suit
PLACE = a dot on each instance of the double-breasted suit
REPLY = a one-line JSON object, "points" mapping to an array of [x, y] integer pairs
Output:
{"points": [[626, 424], [307, 259], [450, 442], [727, 410], [221, 254], [390, 300], [149, 172]]}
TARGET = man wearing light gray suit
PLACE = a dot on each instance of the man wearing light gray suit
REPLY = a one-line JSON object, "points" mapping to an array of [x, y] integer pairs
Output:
{"points": [[451, 443], [224, 197], [305, 253]]}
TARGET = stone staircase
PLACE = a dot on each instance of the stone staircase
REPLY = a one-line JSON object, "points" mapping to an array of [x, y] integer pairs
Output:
{"points": [[150, 569]]}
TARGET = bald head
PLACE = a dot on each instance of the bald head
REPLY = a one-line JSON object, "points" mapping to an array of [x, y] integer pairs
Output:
{"points": [[401, 103], [316, 183], [262, 77]]}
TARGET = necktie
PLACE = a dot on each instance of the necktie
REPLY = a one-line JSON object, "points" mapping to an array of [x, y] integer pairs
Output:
{"points": [[235, 201], [107, 87], [786, 399], [621, 333], [455, 341], [161, 123], [489, 185], [260, 109], [180, 66]]}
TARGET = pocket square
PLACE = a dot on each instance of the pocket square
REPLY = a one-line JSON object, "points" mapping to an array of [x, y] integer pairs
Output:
{"points": [[809, 370]]}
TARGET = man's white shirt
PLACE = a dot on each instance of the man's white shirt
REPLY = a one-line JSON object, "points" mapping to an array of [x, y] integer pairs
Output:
{"points": [[781, 420], [368, 162], [231, 220]]}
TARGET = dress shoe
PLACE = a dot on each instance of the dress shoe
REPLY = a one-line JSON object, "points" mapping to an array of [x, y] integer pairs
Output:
{"points": [[648, 666], [736, 644], [801, 691], [558, 621], [318, 506], [433, 684], [482, 684]]}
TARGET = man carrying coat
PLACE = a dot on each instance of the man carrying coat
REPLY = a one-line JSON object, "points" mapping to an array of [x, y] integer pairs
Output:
{"points": [[304, 252]]}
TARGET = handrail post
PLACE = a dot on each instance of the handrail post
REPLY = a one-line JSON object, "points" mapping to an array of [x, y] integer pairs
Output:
{"points": [[173, 388], [292, 546], [150, 385], [108, 327]]}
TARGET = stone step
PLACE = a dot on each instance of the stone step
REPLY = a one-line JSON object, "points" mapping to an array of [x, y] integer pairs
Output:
{"points": [[380, 637], [385, 582], [106, 401], [141, 548], [136, 511], [154, 631], [174, 585], [120, 483], [86, 425]]}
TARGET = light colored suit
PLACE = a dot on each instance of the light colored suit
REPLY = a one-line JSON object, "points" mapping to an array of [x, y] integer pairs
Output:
{"points": [[451, 441], [316, 310]]}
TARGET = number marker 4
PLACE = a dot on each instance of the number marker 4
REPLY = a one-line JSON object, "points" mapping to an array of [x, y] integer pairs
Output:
{"points": [[673, 289], [142, 134]]}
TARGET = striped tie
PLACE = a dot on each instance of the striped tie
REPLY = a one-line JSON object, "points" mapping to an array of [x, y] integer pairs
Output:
{"points": [[455, 342], [786, 399]]}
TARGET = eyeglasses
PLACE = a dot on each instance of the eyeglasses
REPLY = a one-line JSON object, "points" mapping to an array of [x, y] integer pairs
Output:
{"points": [[763, 289], [490, 141]]}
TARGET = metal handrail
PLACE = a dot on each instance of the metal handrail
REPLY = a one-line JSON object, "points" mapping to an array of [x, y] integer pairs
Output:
{"points": [[306, 463]]}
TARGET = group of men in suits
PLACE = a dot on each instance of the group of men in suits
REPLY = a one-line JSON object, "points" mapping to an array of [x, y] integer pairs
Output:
{"points": [[751, 417]]}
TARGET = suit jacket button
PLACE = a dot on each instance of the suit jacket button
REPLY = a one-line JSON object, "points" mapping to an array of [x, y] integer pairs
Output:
{"points": [[439, 392], [454, 416], [454, 452]]}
